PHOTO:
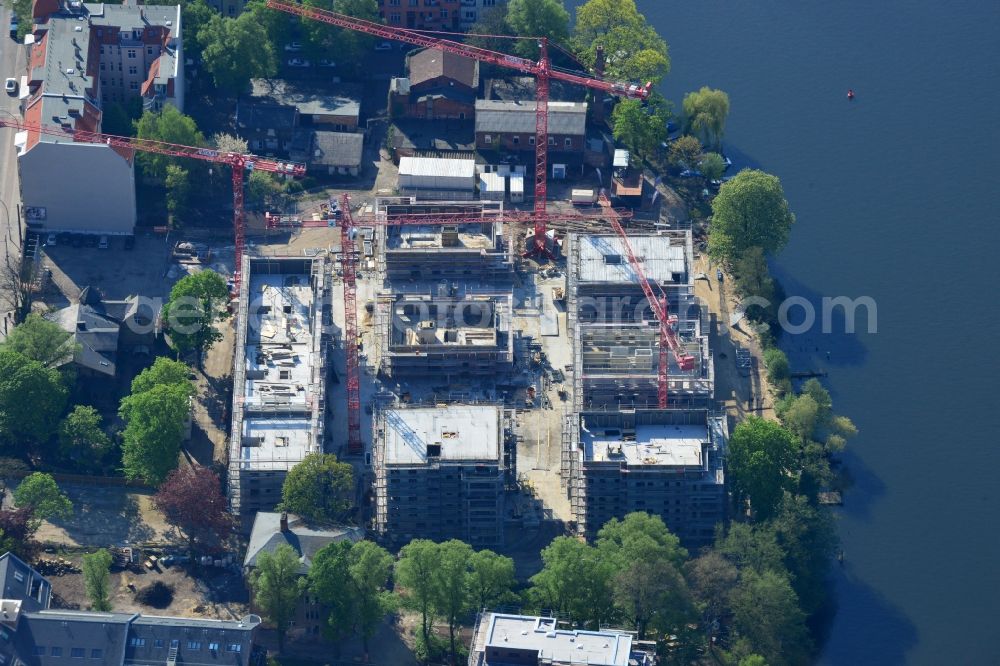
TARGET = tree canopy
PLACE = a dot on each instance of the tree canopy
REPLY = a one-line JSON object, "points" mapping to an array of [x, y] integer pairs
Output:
{"points": [[319, 488], [537, 18], [155, 424], [171, 126], [767, 614], [762, 458], [642, 128], [39, 493], [633, 50], [191, 499], [41, 340], [749, 211], [32, 397], [164, 371], [277, 586], [235, 50], [97, 579], [196, 303], [705, 113], [82, 438]]}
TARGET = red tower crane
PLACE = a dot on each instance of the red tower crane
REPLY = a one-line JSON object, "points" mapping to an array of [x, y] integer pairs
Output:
{"points": [[541, 69], [668, 337], [238, 161]]}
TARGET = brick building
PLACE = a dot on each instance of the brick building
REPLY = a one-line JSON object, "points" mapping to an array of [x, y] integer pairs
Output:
{"points": [[509, 126], [438, 86], [421, 14]]}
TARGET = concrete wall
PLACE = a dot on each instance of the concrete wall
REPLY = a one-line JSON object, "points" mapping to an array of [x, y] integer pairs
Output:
{"points": [[82, 187]]}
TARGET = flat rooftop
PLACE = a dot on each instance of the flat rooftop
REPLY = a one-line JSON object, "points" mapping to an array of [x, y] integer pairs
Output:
{"points": [[458, 237], [596, 648], [457, 432], [671, 445], [279, 341], [603, 259], [473, 321], [273, 443]]}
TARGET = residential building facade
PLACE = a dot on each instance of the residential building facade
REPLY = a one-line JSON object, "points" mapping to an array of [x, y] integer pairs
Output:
{"points": [[439, 86], [474, 10], [509, 126], [421, 14], [84, 57]]}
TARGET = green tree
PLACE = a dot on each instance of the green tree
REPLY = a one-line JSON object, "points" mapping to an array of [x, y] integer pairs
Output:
{"points": [[262, 189], [41, 340], [492, 579], [640, 536], [761, 461], [808, 537], [97, 579], [170, 126], [685, 153], [488, 31], [164, 371], [81, 437], [40, 493], [652, 593], [801, 416], [575, 581], [330, 581], [641, 128], [319, 488], [276, 24], [537, 18], [32, 397], [705, 113], [415, 572], [753, 660], [766, 613], [369, 572], [749, 211], [155, 423], [634, 51], [277, 587], [235, 50], [712, 579], [752, 279], [22, 9], [119, 117], [178, 192], [712, 166], [751, 547], [778, 369], [451, 582], [196, 303], [348, 48]]}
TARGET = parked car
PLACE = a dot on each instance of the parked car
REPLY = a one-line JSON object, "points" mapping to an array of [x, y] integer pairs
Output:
{"points": [[690, 173], [298, 62], [51, 240], [327, 63], [294, 47], [103, 243], [383, 46], [10, 85], [13, 27]]}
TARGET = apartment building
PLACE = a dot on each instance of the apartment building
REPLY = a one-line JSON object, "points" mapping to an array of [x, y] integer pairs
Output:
{"points": [[421, 14]]}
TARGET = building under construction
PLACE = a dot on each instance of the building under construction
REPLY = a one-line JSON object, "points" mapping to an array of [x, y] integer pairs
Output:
{"points": [[664, 462], [471, 252], [614, 331], [451, 337], [440, 473], [278, 378]]}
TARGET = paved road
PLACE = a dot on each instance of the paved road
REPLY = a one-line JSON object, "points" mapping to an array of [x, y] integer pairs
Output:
{"points": [[12, 64]]}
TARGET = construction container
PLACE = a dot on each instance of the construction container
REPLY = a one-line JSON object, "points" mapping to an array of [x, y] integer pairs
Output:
{"points": [[434, 173], [492, 187], [517, 188], [583, 196]]}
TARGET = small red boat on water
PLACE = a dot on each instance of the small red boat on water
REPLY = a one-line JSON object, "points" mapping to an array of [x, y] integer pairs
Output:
{"points": [[850, 94]]}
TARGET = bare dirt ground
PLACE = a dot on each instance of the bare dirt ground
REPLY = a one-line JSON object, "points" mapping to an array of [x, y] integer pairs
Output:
{"points": [[741, 392], [205, 593], [214, 395]]}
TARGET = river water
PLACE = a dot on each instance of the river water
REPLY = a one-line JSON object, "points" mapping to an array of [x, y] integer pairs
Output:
{"points": [[897, 198]]}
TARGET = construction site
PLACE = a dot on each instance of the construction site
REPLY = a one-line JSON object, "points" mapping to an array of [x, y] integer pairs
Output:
{"points": [[279, 376]]}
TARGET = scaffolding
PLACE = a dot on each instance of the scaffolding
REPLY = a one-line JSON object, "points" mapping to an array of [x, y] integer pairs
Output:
{"points": [[279, 376]]}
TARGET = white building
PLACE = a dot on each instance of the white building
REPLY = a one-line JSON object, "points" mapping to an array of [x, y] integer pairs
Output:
{"points": [[437, 177]]}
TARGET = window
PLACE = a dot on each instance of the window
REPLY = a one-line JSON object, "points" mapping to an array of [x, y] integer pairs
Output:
{"points": [[133, 85], [234, 647], [516, 140], [102, 66], [137, 642], [18, 576], [77, 653], [214, 647], [394, 17], [552, 141], [531, 140], [149, 50], [96, 653], [194, 645], [56, 652], [394, 3], [132, 69], [158, 643], [487, 139], [175, 643], [39, 649], [444, 13], [568, 142], [131, 53]]}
